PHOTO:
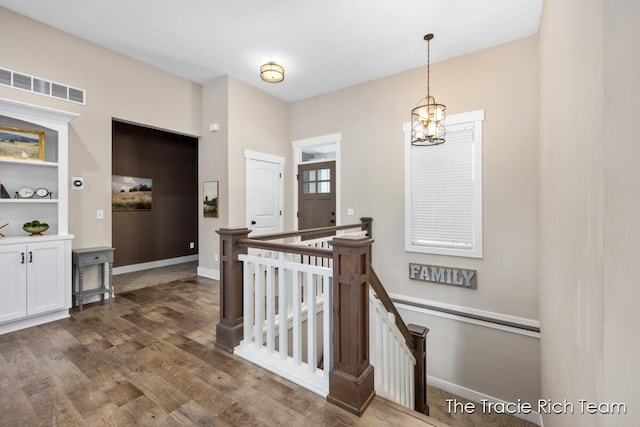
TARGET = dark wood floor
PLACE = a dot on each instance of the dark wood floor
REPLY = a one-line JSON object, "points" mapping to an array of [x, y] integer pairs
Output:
{"points": [[149, 359]]}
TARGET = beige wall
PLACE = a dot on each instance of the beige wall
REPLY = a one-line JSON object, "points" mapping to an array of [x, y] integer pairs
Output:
{"points": [[504, 82], [249, 119], [213, 165], [258, 122], [571, 204], [622, 205], [117, 87], [590, 199]]}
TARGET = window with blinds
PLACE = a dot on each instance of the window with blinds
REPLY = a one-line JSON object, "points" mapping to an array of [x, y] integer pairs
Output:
{"points": [[443, 190]]}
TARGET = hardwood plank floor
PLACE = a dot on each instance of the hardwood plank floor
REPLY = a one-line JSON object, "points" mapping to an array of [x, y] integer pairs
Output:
{"points": [[149, 359]]}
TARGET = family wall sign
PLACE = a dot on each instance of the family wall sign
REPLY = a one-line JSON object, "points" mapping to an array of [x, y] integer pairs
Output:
{"points": [[444, 275]]}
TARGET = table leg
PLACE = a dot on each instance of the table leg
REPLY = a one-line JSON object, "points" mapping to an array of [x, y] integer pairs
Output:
{"points": [[110, 283], [101, 281], [73, 284], [80, 277]]}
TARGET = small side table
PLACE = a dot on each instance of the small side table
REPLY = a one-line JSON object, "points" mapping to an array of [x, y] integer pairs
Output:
{"points": [[92, 256]]}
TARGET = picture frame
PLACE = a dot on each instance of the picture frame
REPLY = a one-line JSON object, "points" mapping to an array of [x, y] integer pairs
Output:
{"points": [[130, 193], [211, 199], [20, 143]]}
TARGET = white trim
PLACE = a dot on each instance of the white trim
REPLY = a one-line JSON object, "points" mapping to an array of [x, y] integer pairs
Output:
{"points": [[477, 117], [285, 368], [209, 273], [16, 325], [476, 396], [468, 310], [330, 139], [318, 140], [154, 264], [263, 157]]}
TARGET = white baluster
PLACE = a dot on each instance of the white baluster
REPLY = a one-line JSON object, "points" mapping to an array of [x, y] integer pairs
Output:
{"points": [[283, 304], [259, 305], [312, 332], [271, 309], [297, 319]]}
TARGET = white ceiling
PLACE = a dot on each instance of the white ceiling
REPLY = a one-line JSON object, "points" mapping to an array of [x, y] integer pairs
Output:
{"points": [[324, 45]]}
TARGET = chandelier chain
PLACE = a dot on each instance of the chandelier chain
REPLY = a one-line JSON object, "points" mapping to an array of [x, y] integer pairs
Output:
{"points": [[428, 66]]}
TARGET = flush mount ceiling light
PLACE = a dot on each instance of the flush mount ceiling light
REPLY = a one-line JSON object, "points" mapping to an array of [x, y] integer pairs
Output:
{"points": [[427, 119], [272, 72]]}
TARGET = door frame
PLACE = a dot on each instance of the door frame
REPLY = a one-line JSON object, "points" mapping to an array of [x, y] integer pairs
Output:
{"points": [[298, 145], [269, 158]]}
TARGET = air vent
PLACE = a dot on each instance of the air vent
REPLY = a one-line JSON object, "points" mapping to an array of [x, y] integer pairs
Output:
{"points": [[41, 86]]}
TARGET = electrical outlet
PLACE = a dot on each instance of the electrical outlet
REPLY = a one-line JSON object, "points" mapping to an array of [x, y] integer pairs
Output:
{"points": [[349, 211], [192, 245], [216, 257]]}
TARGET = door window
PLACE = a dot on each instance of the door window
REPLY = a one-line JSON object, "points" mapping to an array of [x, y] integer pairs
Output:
{"points": [[316, 181]]}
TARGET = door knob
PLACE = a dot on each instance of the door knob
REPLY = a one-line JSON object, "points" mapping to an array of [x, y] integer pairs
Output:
{"points": [[253, 222], [333, 221]]}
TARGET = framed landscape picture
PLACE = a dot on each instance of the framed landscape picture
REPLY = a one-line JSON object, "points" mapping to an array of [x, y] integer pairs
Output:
{"points": [[17, 143], [130, 193], [210, 199]]}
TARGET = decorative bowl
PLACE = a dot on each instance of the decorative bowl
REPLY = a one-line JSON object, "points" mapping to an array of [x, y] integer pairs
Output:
{"points": [[36, 231]]}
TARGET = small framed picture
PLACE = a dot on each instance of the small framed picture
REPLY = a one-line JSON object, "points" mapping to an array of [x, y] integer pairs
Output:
{"points": [[18, 143], [210, 199]]}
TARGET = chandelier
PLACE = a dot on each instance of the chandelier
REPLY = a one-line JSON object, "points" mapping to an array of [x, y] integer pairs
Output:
{"points": [[427, 119]]}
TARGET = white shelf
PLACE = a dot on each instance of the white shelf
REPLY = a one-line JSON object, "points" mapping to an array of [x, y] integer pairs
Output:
{"points": [[29, 163], [28, 200], [11, 239]]}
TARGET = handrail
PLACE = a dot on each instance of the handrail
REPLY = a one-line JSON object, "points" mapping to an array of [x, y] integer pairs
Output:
{"points": [[286, 247], [382, 294], [516, 325], [306, 232]]}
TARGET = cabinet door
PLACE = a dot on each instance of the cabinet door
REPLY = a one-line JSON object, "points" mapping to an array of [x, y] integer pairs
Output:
{"points": [[45, 277], [13, 292]]}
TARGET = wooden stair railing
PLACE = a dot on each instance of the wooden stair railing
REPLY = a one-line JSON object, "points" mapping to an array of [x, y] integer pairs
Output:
{"points": [[351, 383], [415, 337]]}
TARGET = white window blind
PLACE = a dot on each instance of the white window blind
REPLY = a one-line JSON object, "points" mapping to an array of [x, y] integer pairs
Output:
{"points": [[444, 209]]}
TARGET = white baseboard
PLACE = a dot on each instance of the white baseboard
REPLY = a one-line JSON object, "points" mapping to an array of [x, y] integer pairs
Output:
{"points": [[209, 273], [475, 396], [33, 321], [154, 264]]}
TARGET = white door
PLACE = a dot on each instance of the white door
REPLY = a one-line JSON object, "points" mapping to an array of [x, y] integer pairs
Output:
{"points": [[13, 291], [264, 192], [45, 277]]}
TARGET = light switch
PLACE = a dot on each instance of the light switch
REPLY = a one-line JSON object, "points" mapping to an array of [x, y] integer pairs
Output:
{"points": [[99, 214]]}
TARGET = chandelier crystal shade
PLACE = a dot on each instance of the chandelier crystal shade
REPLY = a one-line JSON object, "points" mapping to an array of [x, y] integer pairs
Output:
{"points": [[427, 119], [272, 72]]}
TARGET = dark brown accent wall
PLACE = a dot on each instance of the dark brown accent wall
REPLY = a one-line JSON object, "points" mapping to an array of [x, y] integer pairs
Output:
{"points": [[171, 161]]}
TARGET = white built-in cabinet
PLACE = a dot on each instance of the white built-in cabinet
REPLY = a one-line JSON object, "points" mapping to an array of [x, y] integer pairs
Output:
{"points": [[35, 271]]}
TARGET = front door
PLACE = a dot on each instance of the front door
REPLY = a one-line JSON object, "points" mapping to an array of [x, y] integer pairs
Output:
{"points": [[264, 196], [316, 195]]}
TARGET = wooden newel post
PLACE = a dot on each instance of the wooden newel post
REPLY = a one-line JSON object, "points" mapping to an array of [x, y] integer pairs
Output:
{"points": [[367, 225], [230, 329], [419, 334], [351, 382]]}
